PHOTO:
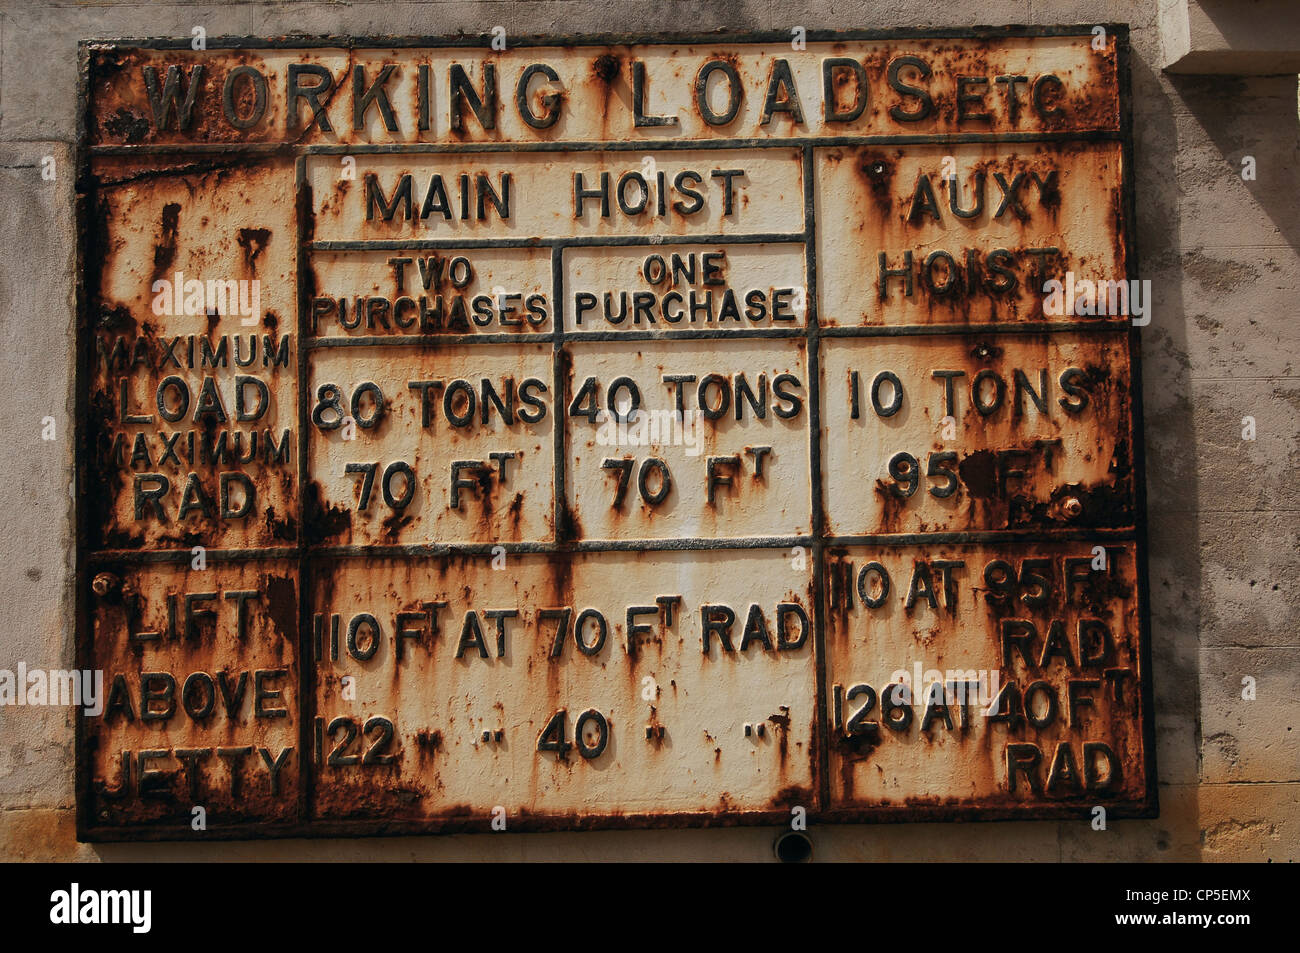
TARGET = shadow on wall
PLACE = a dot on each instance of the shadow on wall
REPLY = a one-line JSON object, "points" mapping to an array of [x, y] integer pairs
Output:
{"points": [[1243, 32], [1247, 275], [1204, 236]]}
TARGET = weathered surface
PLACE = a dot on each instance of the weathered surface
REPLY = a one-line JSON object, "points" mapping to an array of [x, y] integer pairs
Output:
{"points": [[464, 384], [1219, 349]]}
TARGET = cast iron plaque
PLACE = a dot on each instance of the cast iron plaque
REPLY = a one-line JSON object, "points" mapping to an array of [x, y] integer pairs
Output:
{"points": [[561, 433]]}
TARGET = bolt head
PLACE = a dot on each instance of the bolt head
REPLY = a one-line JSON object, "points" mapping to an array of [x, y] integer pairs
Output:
{"points": [[104, 583]]}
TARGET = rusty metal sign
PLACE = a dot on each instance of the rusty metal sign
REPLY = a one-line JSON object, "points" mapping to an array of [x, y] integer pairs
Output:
{"points": [[522, 434]]}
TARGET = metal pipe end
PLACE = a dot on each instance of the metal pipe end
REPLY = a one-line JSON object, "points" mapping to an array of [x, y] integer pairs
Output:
{"points": [[793, 847]]}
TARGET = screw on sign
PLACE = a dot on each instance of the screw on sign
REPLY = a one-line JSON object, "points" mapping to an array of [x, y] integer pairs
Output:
{"points": [[577, 435]]}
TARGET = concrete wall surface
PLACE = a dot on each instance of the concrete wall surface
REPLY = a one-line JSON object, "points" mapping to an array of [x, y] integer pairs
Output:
{"points": [[1220, 251]]}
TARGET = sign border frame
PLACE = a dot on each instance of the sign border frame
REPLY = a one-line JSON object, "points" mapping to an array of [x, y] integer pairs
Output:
{"points": [[306, 827]]}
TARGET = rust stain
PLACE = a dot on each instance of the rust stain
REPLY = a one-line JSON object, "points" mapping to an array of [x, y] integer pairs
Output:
{"points": [[476, 616]]}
